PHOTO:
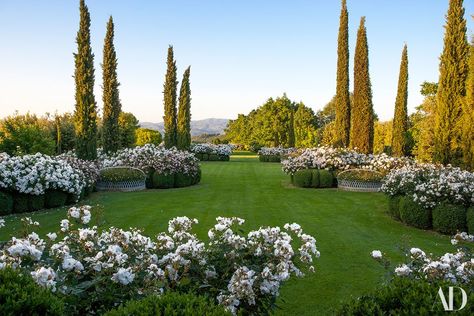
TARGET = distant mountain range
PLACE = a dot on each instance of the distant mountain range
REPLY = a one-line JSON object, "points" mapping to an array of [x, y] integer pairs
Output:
{"points": [[198, 127]]}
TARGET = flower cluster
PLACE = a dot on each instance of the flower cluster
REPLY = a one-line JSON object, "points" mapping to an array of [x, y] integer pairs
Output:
{"points": [[34, 174], [149, 156], [429, 185], [242, 272], [207, 148], [89, 169], [341, 159], [276, 151]]}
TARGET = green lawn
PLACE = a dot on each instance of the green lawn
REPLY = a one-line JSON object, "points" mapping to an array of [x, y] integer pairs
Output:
{"points": [[347, 225]]}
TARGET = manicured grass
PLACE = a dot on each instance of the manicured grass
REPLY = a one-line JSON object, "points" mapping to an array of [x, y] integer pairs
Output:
{"points": [[347, 225]]}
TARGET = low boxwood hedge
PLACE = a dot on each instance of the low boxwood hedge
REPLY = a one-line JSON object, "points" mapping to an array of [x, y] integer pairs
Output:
{"points": [[27, 202], [413, 214], [6, 203], [163, 181], [182, 180], [394, 206], [269, 158], [449, 218], [302, 178], [170, 304], [315, 178], [470, 220], [55, 198], [326, 178]]}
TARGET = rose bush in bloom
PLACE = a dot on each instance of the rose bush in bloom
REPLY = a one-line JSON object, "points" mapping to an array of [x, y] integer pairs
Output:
{"points": [[275, 151], [208, 148], [341, 159], [149, 156], [95, 270], [429, 185]]}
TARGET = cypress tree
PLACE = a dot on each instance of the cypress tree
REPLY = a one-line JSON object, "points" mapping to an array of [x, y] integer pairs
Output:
{"points": [[362, 113], [400, 118], [291, 129], [467, 127], [343, 105], [169, 92], [85, 110], [57, 124], [453, 72], [110, 96], [184, 112]]}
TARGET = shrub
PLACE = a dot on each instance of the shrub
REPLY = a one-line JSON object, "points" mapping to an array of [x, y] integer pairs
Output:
{"points": [[199, 156], [224, 157], [170, 304], [394, 206], [413, 214], [470, 220], [149, 178], [214, 157], [121, 174], [449, 218], [315, 179], [326, 178], [205, 157], [20, 295], [20, 203], [302, 178], [6, 203], [55, 198], [360, 175], [197, 177], [35, 202], [403, 296], [182, 180], [163, 181]]}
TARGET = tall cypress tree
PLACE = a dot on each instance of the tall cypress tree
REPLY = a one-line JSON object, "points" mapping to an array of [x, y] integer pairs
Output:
{"points": [[400, 118], [85, 111], [453, 72], [169, 92], [184, 113], [110, 96], [343, 105], [467, 128], [362, 114]]}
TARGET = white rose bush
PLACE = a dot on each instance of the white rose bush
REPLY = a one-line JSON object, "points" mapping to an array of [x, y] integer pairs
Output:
{"points": [[97, 269], [213, 152], [274, 154]]}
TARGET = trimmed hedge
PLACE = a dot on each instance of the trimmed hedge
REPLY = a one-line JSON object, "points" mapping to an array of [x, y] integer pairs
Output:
{"points": [[20, 295], [212, 157], [269, 158], [170, 304], [413, 214], [470, 220], [163, 181], [326, 178], [6, 203], [27, 203], [36, 202], [449, 218], [178, 180], [55, 198], [302, 178], [394, 206], [315, 178], [182, 180]]}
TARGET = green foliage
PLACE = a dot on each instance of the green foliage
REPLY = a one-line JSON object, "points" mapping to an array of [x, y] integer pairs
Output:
{"points": [[413, 214], [362, 113], [361, 175], [197, 177], [36, 202], [304, 123], [85, 111], [147, 136], [453, 71], [403, 296], [110, 93], [149, 178], [55, 198], [383, 137], [213, 157], [64, 132], [6, 203], [449, 218], [121, 174], [20, 295], [470, 220], [170, 304], [394, 206], [27, 203], [343, 105], [326, 178], [128, 125], [182, 180], [224, 158], [170, 87], [467, 126], [400, 119], [269, 158], [302, 178], [315, 183], [183, 140], [25, 134], [163, 181]]}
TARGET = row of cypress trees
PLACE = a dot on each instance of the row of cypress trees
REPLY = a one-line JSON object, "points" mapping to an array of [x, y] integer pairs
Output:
{"points": [[177, 125], [177, 122]]}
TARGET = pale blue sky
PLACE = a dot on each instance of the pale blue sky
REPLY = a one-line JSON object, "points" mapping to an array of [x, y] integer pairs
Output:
{"points": [[240, 52]]}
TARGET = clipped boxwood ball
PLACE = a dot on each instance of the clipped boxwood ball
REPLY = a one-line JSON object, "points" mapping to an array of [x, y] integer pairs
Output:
{"points": [[326, 178], [470, 220], [20, 295], [449, 218], [163, 181], [413, 214], [302, 178], [20, 203], [55, 198], [171, 303], [315, 178], [6, 203], [394, 206], [182, 180]]}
